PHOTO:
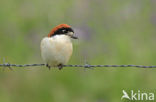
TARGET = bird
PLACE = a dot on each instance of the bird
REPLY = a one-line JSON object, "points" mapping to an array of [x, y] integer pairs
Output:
{"points": [[56, 47]]}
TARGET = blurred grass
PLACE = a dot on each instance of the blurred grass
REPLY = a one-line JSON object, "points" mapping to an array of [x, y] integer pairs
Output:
{"points": [[111, 32]]}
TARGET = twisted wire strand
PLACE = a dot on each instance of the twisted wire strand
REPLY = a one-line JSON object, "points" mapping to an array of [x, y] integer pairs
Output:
{"points": [[84, 66]]}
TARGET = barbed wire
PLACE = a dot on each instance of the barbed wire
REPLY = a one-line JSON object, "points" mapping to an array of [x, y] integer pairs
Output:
{"points": [[84, 66]]}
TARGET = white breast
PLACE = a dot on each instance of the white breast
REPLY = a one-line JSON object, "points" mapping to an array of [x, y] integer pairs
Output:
{"points": [[56, 50]]}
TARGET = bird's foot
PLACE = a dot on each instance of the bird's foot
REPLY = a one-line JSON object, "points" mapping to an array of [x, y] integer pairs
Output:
{"points": [[60, 66], [48, 66]]}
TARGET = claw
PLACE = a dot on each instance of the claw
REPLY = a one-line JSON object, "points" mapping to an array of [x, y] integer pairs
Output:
{"points": [[60, 66], [48, 66]]}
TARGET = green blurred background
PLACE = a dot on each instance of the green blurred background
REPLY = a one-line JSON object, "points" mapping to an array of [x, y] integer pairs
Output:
{"points": [[109, 31]]}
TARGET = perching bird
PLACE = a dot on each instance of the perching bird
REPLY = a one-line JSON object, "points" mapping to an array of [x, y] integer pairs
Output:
{"points": [[57, 48]]}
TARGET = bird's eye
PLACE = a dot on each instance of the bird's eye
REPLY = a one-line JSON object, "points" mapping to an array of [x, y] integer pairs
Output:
{"points": [[64, 31]]}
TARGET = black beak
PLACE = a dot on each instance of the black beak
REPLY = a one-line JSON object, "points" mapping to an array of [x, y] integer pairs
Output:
{"points": [[71, 34], [74, 37]]}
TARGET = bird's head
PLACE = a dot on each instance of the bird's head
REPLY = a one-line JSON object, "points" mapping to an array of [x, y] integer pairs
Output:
{"points": [[62, 29]]}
